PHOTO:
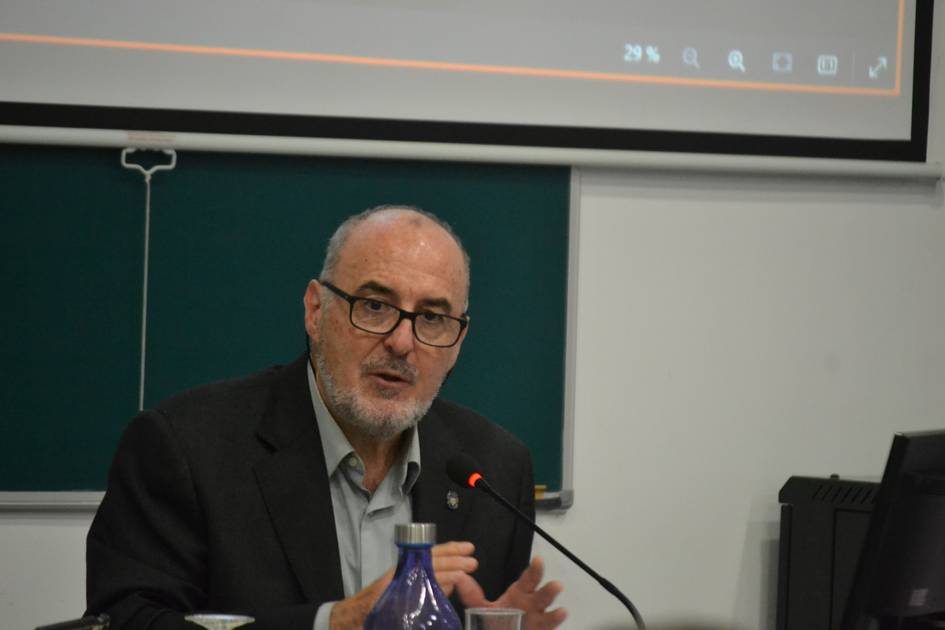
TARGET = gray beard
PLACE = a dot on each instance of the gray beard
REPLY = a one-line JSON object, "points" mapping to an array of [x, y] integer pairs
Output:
{"points": [[352, 411]]}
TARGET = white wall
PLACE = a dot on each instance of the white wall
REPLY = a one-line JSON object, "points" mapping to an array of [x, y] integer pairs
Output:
{"points": [[42, 568], [732, 331]]}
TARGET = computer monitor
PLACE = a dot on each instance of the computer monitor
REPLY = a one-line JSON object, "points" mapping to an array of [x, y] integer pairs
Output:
{"points": [[900, 578]]}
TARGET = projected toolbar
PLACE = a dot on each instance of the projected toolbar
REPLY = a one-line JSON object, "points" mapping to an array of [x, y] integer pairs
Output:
{"points": [[804, 65], [788, 47]]}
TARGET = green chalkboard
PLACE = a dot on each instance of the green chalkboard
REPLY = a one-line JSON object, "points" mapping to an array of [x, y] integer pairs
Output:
{"points": [[233, 241]]}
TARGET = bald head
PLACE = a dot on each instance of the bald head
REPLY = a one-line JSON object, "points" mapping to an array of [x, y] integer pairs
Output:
{"points": [[400, 223]]}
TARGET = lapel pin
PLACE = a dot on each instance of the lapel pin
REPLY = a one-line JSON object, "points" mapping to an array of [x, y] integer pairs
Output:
{"points": [[452, 500]]}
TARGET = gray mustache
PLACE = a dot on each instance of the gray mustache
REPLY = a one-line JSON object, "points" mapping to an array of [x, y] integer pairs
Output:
{"points": [[392, 364]]}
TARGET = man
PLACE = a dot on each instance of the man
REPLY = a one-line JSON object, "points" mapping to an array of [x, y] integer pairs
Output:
{"points": [[276, 494]]}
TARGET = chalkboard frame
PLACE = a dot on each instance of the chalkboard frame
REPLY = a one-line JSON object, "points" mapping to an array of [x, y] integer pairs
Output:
{"points": [[83, 500]]}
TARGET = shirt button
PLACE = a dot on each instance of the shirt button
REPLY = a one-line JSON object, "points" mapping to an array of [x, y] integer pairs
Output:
{"points": [[352, 461]]}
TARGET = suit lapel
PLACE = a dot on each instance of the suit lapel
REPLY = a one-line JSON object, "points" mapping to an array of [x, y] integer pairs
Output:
{"points": [[433, 486], [294, 484]]}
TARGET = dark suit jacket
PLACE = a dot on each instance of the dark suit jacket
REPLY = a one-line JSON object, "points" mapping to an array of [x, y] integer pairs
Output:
{"points": [[218, 500]]}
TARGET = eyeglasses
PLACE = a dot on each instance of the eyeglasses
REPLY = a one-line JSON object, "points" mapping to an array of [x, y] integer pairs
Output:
{"points": [[380, 318]]}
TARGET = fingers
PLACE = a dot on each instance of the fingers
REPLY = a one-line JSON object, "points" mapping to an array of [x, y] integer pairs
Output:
{"points": [[454, 548], [470, 593], [546, 595], [538, 616], [377, 587], [526, 595], [350, 613], [454, 557], [448, 580], [531, 577], [547, 620], [452, 561]]}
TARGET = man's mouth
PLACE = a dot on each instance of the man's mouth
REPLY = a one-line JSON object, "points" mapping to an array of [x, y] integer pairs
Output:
{"points": [[391, 377]]}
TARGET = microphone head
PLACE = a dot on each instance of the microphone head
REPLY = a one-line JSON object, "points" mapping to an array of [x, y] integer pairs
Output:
{"points": [[463, 470]]}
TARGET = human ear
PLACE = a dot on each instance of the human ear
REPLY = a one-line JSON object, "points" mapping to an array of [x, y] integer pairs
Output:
{"points": [[312, 302]]}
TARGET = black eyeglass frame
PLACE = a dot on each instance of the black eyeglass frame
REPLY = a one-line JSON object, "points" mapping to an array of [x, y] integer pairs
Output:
{"points": [[409, 315]]}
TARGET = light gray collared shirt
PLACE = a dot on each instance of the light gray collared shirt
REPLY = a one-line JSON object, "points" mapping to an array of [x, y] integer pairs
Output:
{"points": [[364, 522]]}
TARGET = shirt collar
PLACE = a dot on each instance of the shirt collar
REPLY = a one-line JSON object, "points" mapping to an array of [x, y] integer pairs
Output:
{"points": [[337, 448]]}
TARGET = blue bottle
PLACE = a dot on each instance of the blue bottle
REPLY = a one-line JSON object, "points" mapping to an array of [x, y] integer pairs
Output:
{"points": [[413, 600]]}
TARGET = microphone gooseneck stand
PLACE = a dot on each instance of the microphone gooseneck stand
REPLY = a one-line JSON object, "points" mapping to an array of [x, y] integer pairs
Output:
{"points": [[463, 471]]}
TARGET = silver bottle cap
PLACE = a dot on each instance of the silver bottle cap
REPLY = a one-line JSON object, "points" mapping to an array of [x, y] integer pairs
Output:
{"points": [[415, 534]]}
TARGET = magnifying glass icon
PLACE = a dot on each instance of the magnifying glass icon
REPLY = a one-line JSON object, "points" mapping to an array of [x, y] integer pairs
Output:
{"points": [[690, 57], [736, 61]]}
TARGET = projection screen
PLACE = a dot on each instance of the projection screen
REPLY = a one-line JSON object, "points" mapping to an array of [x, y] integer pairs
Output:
{"points": [[847, 78]]}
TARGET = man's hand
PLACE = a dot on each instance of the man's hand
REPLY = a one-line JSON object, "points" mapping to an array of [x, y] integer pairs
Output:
{"points": [[523, 594], [351, 612], [452, 563]]}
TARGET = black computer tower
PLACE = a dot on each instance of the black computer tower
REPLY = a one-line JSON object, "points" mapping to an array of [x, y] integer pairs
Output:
{"points": [[823, 527]]}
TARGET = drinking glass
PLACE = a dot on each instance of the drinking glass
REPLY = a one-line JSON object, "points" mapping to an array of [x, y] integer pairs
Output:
{"points": [[494, 619], [216, 621]]}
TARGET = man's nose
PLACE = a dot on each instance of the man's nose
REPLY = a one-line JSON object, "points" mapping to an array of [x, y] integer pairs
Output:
{"points": [[400, 341]]}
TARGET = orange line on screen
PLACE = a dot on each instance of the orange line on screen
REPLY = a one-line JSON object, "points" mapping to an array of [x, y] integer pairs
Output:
{"points": [[902, 19], [448, 66]]}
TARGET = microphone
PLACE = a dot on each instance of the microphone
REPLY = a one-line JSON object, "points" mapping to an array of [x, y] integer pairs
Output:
{"points": [[464, 471]]}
